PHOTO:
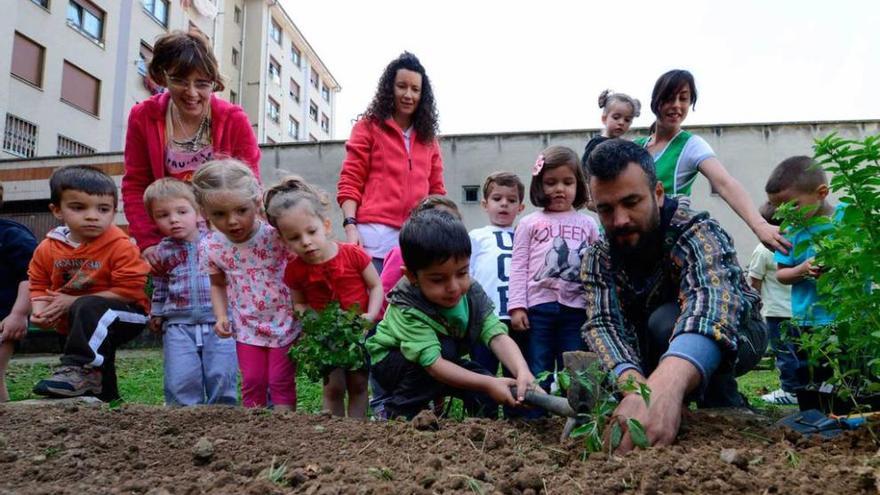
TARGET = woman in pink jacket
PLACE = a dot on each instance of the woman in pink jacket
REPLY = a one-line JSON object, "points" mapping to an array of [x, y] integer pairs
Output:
{"points": [[173, 133], [392, 158]]}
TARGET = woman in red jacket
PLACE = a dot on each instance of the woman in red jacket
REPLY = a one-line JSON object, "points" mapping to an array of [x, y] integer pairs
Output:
{"points": [[392, 158], [173, 133]]}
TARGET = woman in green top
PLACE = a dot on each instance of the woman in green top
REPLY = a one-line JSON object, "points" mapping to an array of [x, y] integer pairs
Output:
{"points": [[680, 155]]}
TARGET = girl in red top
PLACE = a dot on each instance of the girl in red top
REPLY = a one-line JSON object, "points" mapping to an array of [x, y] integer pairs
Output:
{"points": [[392, 159], [173, 133], [323, 271]]}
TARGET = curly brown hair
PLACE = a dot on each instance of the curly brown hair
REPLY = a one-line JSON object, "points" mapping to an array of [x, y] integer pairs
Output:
{"points": [[382, 106]]}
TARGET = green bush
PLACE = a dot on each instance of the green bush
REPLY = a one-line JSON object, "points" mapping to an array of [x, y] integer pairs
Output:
{"points": [[849, 252]]}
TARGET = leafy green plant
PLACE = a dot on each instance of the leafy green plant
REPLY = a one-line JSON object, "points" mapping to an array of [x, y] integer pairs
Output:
{"points": [[848, 251], [600, 429], [331, 338]]}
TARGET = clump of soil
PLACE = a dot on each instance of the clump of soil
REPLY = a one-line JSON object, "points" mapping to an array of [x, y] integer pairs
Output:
{"points": [[57, 449]]}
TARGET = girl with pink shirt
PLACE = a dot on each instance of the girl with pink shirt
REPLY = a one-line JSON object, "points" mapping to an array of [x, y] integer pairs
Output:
{"points": [[546, 297], [245, 259]]}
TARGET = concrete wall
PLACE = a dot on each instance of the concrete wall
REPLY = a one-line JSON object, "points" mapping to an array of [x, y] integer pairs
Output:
{"points": [[749, 151]]}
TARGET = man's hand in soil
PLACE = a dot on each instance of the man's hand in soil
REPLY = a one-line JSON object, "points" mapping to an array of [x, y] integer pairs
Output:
{"points": [[669, 384]]}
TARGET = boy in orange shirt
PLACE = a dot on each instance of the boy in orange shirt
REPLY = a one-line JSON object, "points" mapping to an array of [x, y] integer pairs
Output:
{"points": [[87, 280]]}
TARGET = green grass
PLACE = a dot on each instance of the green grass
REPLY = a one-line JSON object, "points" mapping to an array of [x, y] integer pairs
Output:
{"points": [[140, 382]]}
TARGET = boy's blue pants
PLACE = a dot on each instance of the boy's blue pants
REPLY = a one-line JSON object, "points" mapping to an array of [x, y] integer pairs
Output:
{"points": [[200, 367]]}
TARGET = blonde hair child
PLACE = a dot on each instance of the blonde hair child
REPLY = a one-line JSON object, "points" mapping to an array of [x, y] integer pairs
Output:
{"points": [[245, 256]]}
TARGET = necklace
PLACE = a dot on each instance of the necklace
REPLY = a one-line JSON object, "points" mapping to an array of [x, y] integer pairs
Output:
{"points": [[195, 141]]}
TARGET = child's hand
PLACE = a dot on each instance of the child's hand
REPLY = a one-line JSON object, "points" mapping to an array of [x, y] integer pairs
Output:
{"points": [[369, 317], [223, 329], [519, 320], [499, 390], [13, 327], [155, 325], [810, 270], [52, 307], [524, 381]]}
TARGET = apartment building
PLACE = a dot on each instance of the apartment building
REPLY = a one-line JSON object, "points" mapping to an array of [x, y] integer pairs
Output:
{"points": [[276, 75], [75, 68]]}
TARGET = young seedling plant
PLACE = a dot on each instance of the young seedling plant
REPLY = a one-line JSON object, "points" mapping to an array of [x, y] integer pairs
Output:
{"points": [[331, 338], [600, 429]]}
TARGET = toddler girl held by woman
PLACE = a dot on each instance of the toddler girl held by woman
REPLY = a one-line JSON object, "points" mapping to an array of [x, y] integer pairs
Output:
{"points": [[618, 112], [245, 259], [546, 296], [323, 271]]}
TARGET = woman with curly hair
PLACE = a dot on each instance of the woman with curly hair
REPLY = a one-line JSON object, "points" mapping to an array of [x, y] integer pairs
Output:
{"points": [[392, 158]]}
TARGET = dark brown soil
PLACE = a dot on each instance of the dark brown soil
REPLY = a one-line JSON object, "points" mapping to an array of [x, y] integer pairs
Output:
{"points": [[56, 449]]}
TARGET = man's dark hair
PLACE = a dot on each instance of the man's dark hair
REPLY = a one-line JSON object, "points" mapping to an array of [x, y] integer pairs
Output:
{"points": [[800, 173], [431, 237], [611, 157], [83, 178]]}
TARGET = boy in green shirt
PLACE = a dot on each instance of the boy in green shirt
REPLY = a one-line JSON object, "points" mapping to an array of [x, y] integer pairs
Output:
{"points": [[435, 314]]}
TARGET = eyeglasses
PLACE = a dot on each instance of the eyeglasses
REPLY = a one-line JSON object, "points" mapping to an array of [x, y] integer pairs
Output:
{"points": [[201, 85]]}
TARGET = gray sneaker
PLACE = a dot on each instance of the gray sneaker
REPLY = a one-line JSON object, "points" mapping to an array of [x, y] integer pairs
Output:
{"points": [[70, 381]]}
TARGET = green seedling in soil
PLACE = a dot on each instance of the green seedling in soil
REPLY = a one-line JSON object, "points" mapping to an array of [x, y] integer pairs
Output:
{"points": [[600, 429], [51, 451], [382, 473], [792, 458], [275, 474], [848, 252], [331, 338], [473, 485]]}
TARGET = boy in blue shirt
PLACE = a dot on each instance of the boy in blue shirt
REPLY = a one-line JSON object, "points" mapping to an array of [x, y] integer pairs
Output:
{"points": [[801, 180]]}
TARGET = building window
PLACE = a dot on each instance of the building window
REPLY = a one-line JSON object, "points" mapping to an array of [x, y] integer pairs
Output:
{"points": [[470, 194], [313, 110], [313, 77], [295, 55], [275, 32], [158, 9], [42, 3], [27, 60], [20, 137], [236, 15], [274, 111], [67, 146], [294, 90], [144, 57], [325, 93], [85, 17], [293, 128], [274, 71], [325, 123], [233, 97], [234, 57], [80, 89]]}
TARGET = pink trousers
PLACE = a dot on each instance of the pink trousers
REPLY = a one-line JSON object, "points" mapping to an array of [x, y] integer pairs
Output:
{"points": [[266, 370]]}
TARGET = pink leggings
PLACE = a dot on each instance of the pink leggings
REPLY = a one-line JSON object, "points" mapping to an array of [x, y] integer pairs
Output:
{"points": [[266, 369]]}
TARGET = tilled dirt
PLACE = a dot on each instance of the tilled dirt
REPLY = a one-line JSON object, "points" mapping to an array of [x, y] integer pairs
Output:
{"points": [[73, 448]]}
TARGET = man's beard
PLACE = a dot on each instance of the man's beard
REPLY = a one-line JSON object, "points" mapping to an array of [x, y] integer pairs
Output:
{"points": [[648, 242]]}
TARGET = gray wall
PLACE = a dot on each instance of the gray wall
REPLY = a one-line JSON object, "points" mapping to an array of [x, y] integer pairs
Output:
{"points": [[748, 151]]}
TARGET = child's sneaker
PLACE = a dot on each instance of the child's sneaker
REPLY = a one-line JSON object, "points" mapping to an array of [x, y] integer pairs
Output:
{"points": [[780, 398], [70, 381]]}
